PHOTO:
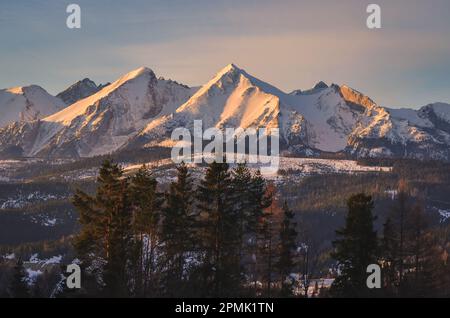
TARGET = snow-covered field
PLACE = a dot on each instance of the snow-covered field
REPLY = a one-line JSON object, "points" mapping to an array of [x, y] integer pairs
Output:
{"points": [[299, 166], [320, 166], [289, 169], [289, 165], [21, 200]]}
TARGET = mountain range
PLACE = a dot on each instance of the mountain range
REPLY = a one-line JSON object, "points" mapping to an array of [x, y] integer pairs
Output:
{"points": [[140, 110]]}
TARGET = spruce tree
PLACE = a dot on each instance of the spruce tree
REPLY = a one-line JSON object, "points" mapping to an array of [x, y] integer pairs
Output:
{"points": [[243, 203], [146, 204], [267, 242], [103, 243], [219, 232], [177, 232], [355, 248], [18, 287], [251, 199], [261, 198]]}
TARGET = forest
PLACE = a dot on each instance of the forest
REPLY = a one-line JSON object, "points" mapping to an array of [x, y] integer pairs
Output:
{"points": [[232, 233]]}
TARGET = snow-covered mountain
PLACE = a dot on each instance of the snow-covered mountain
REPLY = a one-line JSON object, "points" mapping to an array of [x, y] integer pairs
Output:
{"points": [[27, 103], [406, 133], [230, 99], [320, 118], [100, 123], [140, 110], [80, 90]]}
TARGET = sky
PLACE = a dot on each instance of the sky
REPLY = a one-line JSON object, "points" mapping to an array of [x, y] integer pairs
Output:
{"points": [[291, 44]]}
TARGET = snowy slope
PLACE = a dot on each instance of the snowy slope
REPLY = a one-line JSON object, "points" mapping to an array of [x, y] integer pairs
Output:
{"points": [[319, 118], [139, 110], [407, 133], [100, 123], [27, 103], [330, 119], [230, 99]]}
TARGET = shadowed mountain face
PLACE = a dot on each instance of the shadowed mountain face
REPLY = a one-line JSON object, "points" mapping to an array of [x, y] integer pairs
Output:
{"points": [[80, 90], [139, 110]]}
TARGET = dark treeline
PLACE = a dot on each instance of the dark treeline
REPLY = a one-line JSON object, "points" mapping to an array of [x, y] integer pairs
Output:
{"points": [[412, 255], [229, 234], [222, 236]]}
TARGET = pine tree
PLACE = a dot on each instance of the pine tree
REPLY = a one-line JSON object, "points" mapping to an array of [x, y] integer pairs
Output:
{"points": [[355, 248], [18, 286], [261, 197], [243, 203], [267, 241], [266, 256], [177, 232], [288, 244], [106, 234], [219, 232], [146, 209]]}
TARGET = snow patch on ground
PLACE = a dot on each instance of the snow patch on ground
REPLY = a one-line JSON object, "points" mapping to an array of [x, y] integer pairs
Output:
{"points": [[34, 259], [32, 275], [21, 200], [44, 220], [445, 215]]}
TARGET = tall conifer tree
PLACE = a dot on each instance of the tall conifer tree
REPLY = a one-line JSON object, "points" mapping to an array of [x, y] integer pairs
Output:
{"points": [[178, 232], [106, 231], [219, 231], [146, 203], [355, 248], [19, 287]]}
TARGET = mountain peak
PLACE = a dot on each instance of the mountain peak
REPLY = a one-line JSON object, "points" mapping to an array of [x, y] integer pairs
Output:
{"points": [[317, 88], [79, 90], [27, 103], [230, 68], [353, 96], [137, 73], [21, 90], [88, 82], [320, 85]]}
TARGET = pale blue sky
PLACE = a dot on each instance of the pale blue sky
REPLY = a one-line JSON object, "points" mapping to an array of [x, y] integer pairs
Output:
{"points": [[289, 43]]}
